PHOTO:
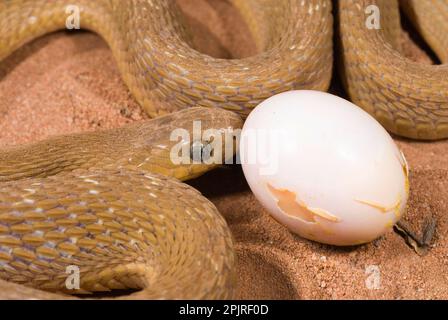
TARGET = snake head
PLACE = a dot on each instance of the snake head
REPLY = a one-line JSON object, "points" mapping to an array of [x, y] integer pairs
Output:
{"points": [[188, 143]]}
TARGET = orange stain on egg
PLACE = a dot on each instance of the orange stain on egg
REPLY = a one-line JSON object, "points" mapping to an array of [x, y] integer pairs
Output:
{"points": [[384, 209], [406, 177], [389, 224], [291, 206], [396, 206]]}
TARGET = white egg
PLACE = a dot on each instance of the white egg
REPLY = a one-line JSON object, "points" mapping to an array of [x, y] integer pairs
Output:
{"points": [[323, 167]]}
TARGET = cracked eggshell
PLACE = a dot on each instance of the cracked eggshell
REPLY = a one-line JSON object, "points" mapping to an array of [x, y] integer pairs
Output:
{"points": [[323, 167]]}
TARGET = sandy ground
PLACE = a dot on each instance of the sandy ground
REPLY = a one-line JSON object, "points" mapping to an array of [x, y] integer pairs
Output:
{"points": [[68, 82]]}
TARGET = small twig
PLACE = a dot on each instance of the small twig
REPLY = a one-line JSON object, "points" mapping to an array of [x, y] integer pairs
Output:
{"points": [[419, 244], [428, 231]]}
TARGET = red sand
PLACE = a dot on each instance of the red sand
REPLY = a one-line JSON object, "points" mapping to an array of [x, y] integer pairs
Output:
{"points": [[69, 83]]}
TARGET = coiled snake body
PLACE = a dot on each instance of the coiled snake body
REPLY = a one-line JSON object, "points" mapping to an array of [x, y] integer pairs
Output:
{"points": [[114, 217], [108, 201], [406, 97], [108, 204]]}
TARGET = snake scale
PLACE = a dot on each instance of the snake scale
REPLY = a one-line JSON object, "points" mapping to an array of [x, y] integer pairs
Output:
{"points": [[408, 98], [112, 202]]}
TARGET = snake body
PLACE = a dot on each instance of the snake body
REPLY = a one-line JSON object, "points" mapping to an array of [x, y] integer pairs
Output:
{"points": [[108, 203], [408, 98], [111, 203], [154, 54]]}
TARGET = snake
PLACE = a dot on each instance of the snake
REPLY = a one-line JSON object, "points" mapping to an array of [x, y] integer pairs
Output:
{"points": [[408, 98], [113, 203]]}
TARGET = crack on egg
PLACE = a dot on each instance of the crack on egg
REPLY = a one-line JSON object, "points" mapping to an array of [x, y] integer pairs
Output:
{"points": [[382, 208], [405, 167], [396, 206], [389, 224], [291, 206]]}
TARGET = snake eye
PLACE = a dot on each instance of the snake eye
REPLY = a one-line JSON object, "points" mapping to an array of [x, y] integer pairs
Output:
{"points": [[200, 151]]}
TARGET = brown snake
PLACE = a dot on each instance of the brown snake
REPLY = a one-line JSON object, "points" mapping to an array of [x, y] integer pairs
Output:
{"points": [[107, 201], [406, 97], [122, 227]]}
